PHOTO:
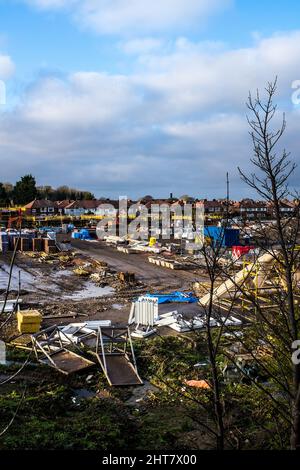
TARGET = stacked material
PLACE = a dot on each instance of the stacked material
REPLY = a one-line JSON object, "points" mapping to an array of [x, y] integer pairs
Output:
{"points": [[183, 326], [49, 246], [115, 240], [124, 249], [29, 321], [26, 244], [170, 264], [37, 244]]}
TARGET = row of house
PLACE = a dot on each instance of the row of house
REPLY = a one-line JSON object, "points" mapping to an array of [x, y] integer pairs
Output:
{"points": [[69, 208], [247, 208]]}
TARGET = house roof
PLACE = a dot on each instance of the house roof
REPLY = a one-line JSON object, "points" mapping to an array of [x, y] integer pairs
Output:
{"points": [[39, 203], [63, 204], [213, 203], [250, 204], [285, 203], [84, 204]]}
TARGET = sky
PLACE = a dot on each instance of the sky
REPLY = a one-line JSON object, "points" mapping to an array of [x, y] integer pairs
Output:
{"points": [[135, 97]]}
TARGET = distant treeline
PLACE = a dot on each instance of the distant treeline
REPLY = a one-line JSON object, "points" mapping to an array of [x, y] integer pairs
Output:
{"points": [[25, 190]]}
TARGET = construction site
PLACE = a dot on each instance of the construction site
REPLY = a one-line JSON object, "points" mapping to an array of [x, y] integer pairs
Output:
{"points": [[149, 232], [119, 327]]}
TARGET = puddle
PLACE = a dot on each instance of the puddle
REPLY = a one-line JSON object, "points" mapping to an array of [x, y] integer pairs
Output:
{"points": [[36, 283], [61, 272], [117, 306], [89, 291], [28, 281], [82, 394]]}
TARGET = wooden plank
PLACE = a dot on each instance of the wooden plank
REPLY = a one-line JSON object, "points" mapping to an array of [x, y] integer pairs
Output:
{"points": [[120, 371], [68, 362]]}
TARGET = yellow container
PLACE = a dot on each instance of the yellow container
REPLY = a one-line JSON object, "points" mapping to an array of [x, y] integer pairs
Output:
{"points": [[29, 327], [29, 316], [29, 321], [152, 241]]}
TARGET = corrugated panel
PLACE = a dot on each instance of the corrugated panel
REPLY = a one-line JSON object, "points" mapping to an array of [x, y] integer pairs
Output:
{"points": [[145, 312]]}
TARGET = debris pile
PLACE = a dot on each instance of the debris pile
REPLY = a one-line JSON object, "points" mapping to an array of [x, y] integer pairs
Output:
{"points": [[110, 345]]}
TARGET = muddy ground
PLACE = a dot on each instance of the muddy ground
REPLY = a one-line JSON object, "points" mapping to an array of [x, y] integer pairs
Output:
{"points": [[50, 284], [83, 404]]}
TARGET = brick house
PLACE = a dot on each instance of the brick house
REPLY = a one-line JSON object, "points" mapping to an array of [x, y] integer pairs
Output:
{"points": [[41, 207], [77, 208], [253, 209], [286, 207], [61, 205], [213, 207]]}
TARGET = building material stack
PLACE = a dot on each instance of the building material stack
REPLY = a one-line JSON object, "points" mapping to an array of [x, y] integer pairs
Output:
{"points": [[26, 244], [29, 321], [50, 246], [37, 244], [126, 277]]}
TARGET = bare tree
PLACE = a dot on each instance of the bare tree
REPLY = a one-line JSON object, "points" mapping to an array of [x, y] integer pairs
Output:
{"points": [[270, 181], [211, 258]]}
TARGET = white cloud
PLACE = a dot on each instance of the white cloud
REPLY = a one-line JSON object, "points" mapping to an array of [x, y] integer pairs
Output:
{"points": [[194, 79], [7, 67], [83, 99], [128, 16], [176, 123]]}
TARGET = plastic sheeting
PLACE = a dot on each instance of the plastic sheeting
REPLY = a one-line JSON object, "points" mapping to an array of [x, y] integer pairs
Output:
{"points": [[175, 296], [84, 234]]}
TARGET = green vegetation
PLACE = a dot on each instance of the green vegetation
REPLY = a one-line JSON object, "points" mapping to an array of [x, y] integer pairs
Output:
{"points": [[170, 417], [50, 420], [25, 191]]}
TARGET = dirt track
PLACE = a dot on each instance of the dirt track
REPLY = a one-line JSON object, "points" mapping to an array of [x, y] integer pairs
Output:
{"points": [[138, 264]]}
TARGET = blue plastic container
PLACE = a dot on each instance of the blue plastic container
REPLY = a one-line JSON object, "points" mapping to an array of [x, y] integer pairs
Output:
{"points": [[85, 234], [76, 235]]}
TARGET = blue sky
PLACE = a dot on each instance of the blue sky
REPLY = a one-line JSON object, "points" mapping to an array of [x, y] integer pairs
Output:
{"points": [[133, 97], [48, 40]]}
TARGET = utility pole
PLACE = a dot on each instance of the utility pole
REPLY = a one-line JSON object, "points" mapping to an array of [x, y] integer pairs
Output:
{"points": [[227, 198]]}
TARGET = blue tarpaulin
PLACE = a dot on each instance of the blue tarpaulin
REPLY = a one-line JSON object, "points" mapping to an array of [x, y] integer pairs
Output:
{"points": [[175, 296], [84, 234], [226, 237], [50, 229]]}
